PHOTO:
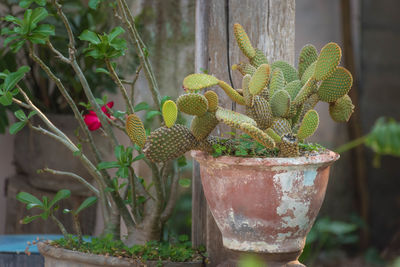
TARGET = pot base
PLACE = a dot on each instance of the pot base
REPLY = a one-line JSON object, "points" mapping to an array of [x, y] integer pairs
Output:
{"points": [[268, 259]]}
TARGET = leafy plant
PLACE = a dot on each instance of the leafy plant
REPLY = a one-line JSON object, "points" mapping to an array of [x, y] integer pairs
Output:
{"points": [[279, 101]]}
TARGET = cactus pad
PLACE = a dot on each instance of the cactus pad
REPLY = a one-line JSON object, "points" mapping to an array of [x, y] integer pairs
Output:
{"points": [[288, 147], [232, 93], [273, 135], [168, 143], [244, 68], [248, 98], [212, 99], [260, 79], [308, 73], [243, 41], [342, 109], [169, 113], [202, 126], [280, 103], [289, 72], [308, 88], [308, 55], [258, 135], [281, 126], [258, 59], [135, 130], [233, 118], [336, 85], [277, 81], [198, 81], [308, 125], [293, 88], [261, 112], [327, 61], [192, 104]]}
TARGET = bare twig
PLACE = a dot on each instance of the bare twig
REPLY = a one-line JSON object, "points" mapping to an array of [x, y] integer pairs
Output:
{"points": [[134, 82], [173, 196], [58, 53]]}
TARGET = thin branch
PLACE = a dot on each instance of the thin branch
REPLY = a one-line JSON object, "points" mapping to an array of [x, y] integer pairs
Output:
{"points": [[121, 87], [134, 82], [133, 193], [173, 196], [60, 225], [20, 103], [76, 177], [58, 53]]}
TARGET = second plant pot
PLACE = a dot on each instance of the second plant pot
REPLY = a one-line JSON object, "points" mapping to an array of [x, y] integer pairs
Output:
{"points": [[265, 206]]}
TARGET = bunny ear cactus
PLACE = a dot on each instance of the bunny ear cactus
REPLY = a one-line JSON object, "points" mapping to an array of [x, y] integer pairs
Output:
{"points": [[279, 101]]}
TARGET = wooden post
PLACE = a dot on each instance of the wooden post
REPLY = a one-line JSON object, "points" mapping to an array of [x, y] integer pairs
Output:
{"points": [[270, 25]]}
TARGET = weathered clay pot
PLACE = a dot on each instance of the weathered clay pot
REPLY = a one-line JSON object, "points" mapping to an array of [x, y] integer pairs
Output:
{"points": [[265, 205], [59, 257]]}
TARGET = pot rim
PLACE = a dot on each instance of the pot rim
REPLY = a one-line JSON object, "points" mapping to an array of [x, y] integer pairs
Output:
{"points": [[325, 157]]}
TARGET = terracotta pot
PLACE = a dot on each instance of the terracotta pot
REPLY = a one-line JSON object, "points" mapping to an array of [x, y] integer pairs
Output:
{"points": [[59, 257], [265, 205]]}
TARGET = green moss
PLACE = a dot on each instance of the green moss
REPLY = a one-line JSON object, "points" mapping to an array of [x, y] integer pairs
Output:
{"points": [[179, 250]]}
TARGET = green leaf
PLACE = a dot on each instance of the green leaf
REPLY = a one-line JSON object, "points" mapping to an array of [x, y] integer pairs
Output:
{"points": [[141, 106], [183, 238], [182, 161], [62, 194], [151, 114], [119, 152], [10, 39], [123, 172], [25, 3], [27, 198], [16, 127], [29, 219], [93, 4], [119, 114], [38, 14], [45, 29], [86, 204], [65, 211], [20, 115], [31, 114], [6, 99], [90, 37], [108, 165], [185, 182], [115, 32], [32, 205], [12, 19], [13, 78], [139, 157], [102, 70]]}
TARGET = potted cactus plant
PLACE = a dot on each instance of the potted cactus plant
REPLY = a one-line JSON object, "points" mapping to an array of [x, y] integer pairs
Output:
{"points": [[264, 188], [144, 204]]}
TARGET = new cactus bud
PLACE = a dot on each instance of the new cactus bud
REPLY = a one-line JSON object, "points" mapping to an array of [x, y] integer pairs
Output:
{"points": [[169, 113], [244, 68], [289, 72], [288, 147], [259, 59], [308, 55], [308, 125], [198, 81], [327, 62], [280, 103], [202, 126], [243, 41], [342, 109], [135, 130], [232, 93], [168, 143], [212, 99], [277, 81], [192, 104], [259, 80], [335, 86]]}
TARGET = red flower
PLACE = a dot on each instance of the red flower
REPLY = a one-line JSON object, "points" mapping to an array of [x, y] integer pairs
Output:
{"points": [[91, 119]]}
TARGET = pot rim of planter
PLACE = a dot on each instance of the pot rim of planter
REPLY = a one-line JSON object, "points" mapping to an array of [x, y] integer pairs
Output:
{"points": [[325, 157], [47, 250]]}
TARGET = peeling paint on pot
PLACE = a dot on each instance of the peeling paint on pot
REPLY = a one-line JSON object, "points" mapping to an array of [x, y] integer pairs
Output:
{"points": [[265, 205]]}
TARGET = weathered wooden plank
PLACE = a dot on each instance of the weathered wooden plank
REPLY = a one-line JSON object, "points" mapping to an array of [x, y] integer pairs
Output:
{"points": [[270, 25]]}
